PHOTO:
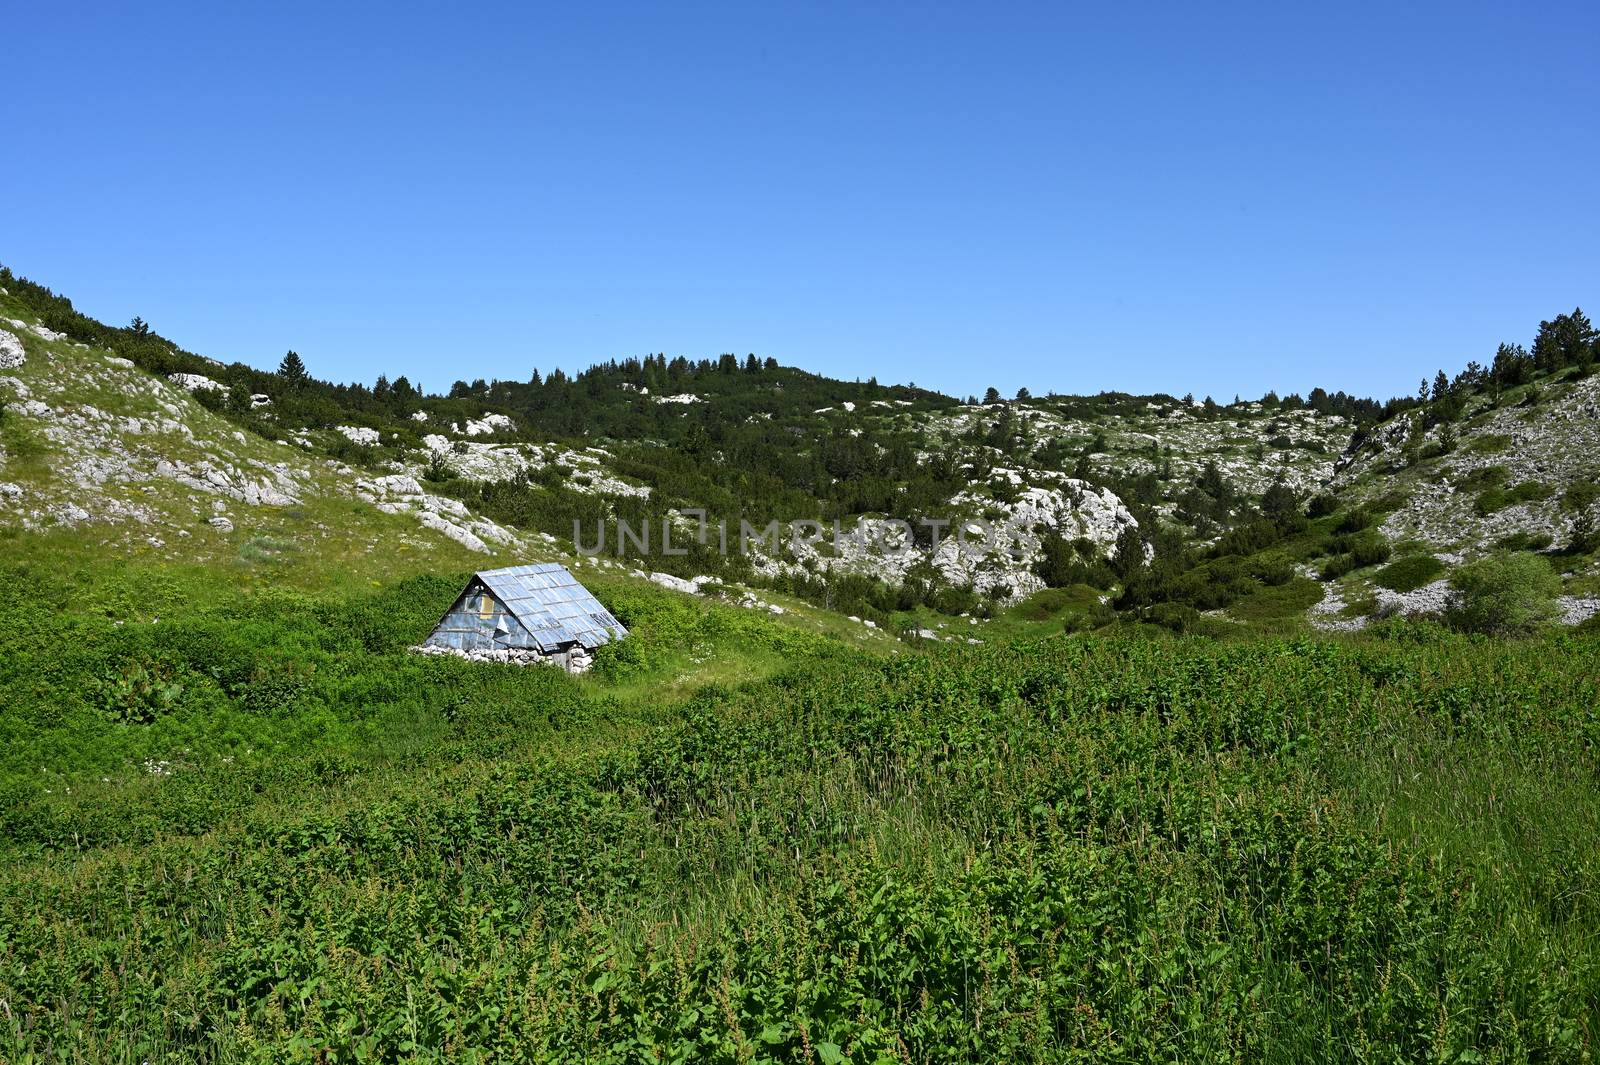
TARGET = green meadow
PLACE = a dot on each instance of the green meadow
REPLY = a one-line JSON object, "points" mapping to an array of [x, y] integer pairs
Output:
{"points": [[239, 822]]}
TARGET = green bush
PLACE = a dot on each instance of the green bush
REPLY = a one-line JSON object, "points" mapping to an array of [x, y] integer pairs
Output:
{"points": [[1585, 533], [1580, 495], [1496, 499], [1279, 601], [1354, 521], [1504, 594], [1337, 566], [278, 688], [1048, 602], [1482, 477], [621, 659], [1489, 444], [1322, 504], [1370, 551], [1524, 541], [1409, 574], [140, 692]]}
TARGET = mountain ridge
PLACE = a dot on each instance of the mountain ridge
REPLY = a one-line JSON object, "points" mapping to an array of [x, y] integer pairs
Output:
{"points": [[1177, 511]]}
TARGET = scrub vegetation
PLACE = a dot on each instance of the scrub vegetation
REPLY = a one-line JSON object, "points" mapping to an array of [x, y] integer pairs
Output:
{"points": [[1161, 804], [258, 830]]}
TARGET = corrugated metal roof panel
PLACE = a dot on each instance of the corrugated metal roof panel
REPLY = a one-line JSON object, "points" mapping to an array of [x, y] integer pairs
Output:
{"points": [[550, 603]]}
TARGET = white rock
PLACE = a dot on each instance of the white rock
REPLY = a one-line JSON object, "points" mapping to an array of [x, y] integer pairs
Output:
{"points": [[465, 537], [1429, 599], [193, 382], [359, 434], [677, 584], [574, 660], [12, 354], [488, 425], [1575, 609]]}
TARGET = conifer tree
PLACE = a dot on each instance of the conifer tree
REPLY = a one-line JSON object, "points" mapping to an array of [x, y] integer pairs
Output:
{"points": [[293, 370]]}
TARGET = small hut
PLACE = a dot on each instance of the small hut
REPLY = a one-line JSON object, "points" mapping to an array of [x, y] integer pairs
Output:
{"points": [[525, 614]]}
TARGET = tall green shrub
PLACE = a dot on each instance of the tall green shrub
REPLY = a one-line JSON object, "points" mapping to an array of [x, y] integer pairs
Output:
{"points": [[1504, 594]]}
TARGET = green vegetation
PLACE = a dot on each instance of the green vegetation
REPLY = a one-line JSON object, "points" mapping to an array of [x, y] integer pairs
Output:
{"points": [[1489, 444], [259, 830], [1484, 477], [1504, 594], [1052, 602], [1524, 541], [1355, 550], [1140, 816], [1494, 499], [1409, 574], [1581, 495], [742, 438], [1283, 601]]}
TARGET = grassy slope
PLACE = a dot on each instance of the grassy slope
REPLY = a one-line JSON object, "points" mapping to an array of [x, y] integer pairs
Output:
{"points": [[741, 839], [256, 829]]}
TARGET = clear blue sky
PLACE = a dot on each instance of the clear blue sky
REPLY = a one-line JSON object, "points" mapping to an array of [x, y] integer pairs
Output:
{"points": [[1071, 197]]}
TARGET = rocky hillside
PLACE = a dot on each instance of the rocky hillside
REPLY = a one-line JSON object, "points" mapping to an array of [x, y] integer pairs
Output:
{"points": [[94, 443], [101, 460], [1520, 473], [922, 507]]}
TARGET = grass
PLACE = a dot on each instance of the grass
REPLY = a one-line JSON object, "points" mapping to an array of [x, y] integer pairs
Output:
{"points": [[1524, 541], [1409, 573], [1492, 500], [1488, 444], [740, 840], [1483, 477], [1284, 601], [239, 822], [1051, 603], [1581, 495]]}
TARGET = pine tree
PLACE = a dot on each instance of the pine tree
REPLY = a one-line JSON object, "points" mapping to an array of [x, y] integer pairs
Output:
{"points": [[1128, 557], [293, 371], [1023, 394], [992, 395], [1279, 501]]}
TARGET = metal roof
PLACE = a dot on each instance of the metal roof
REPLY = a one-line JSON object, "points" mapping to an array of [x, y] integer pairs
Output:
{"points": [[551, 604]]}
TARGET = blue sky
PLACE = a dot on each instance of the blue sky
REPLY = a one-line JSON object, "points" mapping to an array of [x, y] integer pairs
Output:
{"points": [[1148, 197]]}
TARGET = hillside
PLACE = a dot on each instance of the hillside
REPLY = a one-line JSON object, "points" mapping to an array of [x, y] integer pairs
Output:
{"points": [[932, 515], [1129, 786]]}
